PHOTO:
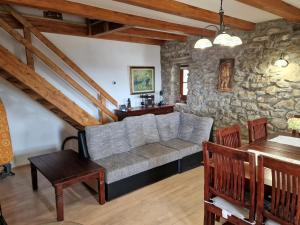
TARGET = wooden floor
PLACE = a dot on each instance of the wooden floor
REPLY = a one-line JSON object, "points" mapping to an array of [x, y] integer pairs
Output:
{"points": [[177, 200]]}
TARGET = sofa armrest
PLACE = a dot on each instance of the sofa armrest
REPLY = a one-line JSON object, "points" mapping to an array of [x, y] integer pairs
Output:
{"points": [[82, 146]]}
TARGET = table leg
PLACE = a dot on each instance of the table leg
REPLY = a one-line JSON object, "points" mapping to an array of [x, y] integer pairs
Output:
{"points": [[59, 195], [34, 177], [101, 188]]}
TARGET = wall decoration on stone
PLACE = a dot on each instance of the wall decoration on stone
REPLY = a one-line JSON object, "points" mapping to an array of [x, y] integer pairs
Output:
{"points": [[226, 68], [142, 80]]}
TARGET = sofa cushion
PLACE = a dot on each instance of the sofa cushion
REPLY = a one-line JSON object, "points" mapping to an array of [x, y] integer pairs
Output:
{"points": [[185, 148], [157, 154], [123, 165], [168, 125], [105, 140], [194, 128], [141, 130]]}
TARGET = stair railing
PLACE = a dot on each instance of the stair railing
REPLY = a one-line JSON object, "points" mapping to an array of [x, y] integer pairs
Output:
{"points": [[100, 102]]}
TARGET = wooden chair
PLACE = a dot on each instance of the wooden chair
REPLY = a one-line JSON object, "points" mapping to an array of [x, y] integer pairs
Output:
{"points": [[284, 207], [225, 184], [296, 132], [257, 130], [229, 136]]}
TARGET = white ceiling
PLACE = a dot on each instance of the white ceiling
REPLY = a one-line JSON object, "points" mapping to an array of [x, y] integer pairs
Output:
{"points": [[231, 8]]}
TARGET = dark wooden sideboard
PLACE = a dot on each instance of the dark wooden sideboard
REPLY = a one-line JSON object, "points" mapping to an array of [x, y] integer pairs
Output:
{"points": [[137, 111]]}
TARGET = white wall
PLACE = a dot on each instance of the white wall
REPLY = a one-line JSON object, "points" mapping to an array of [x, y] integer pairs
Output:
{"points": [[35, 130]]}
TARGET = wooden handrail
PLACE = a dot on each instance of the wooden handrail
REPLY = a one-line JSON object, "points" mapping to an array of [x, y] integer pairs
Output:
{"points": [[59, 53], [54, 67]]}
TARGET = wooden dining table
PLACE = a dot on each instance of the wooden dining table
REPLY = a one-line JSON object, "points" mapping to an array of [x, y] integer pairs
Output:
{"points": [[274, 148]]}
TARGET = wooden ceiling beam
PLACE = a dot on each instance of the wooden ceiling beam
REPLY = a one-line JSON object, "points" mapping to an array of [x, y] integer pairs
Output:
{"points": [[99, 28], [62, 27], [278, 7], [48, 25], [139, 32], [126, 38], [191, 12], [92, 12]]}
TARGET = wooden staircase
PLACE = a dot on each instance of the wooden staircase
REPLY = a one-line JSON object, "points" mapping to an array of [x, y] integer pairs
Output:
{"points": [[24, 77]]}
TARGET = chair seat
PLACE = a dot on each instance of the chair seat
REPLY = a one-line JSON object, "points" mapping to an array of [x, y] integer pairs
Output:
{"points": [[123, 165], [157, 154], [185, 148], [229, 209], [271, 222]]}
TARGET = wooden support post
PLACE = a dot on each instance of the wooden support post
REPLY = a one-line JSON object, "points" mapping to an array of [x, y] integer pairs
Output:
{"points": [[103, 117], [29, 55]]}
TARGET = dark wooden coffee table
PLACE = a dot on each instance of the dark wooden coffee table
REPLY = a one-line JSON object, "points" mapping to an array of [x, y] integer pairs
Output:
{"points": [[63, 169]]}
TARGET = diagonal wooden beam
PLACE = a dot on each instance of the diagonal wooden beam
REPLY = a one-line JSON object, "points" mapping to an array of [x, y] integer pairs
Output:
{"points": [[54, 67], [139, 32], [111, 16], [277, 7], [188, 11], [30, 28]]}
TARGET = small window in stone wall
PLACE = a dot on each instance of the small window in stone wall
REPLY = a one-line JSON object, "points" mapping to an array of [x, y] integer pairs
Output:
{"points": [[184, 75]]}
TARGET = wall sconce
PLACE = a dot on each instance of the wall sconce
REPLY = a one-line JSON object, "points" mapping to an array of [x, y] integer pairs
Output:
{"points": [[281, 62]]}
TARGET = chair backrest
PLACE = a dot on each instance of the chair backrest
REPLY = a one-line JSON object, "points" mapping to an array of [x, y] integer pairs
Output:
{"points": [[285, 202], [229, 136], [225, 175], [257, 129]]}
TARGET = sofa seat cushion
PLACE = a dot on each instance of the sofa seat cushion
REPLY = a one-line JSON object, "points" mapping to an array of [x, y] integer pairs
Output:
{"points": [[123, 165], [168, 125], [106, 140], [185, 148], [194, 128], [141, 130], [157, 154]]}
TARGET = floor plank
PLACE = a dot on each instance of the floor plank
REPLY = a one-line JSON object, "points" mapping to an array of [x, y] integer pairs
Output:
{"points": [[177, 200]]}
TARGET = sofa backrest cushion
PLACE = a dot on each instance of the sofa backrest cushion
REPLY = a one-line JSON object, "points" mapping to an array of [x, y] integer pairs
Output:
{"points": [[105, 140], [141, 130], [194, 128], [168, 125]]}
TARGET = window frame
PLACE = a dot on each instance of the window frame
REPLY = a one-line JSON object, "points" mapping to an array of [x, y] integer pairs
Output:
{"points": [[182, 96]]}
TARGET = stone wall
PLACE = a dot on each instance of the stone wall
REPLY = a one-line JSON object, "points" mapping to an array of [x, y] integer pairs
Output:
{"points": [[259, 89]]}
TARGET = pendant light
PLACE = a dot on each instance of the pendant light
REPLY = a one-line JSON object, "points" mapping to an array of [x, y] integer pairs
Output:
{"points": [[281, 62], [222, 38]]}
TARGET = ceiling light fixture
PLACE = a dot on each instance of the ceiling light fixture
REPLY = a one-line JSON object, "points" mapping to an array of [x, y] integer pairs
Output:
{"points": [[281, 62], [222, 38]]}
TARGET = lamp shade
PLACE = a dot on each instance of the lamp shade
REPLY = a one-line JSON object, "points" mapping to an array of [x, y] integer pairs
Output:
{"points": [[203, 43], [281, 62], [223, 39], [235, 41]]}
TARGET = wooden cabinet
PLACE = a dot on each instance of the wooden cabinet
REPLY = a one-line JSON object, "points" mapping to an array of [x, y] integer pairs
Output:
{"points": [[137, 111]]}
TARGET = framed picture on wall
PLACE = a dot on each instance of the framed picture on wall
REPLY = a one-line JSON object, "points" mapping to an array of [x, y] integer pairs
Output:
{"points": [[226, 70], [142, 79]]}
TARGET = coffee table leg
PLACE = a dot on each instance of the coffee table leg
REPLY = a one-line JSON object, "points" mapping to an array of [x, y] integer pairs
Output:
{"points": [[101, 188], [59, 195], [34, 177]]}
